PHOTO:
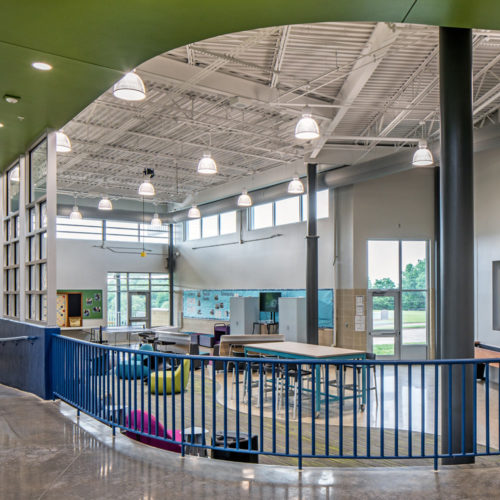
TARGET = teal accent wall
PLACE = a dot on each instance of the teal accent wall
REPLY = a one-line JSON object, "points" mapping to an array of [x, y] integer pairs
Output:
{"points": [[214, 304]]}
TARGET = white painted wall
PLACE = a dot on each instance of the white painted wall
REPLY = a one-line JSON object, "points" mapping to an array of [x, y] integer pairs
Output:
{"points": [[399, 206], [83, 265], [276, 260], [487, 239], [396, 206]]}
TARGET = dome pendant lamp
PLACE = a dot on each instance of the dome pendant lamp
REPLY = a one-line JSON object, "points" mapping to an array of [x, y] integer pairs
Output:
{"points": [[295, 186], [307, 129], [75, 213], [194, 212], [207, 165], [63, 144], [244, 200], [423, 156], [146, 188], [105, 204], [130, 88], [156, 221]]}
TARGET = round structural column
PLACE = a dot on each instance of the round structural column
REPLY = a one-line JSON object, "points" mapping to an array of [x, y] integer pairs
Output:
{"points": [[312, 257], [457, 239]]}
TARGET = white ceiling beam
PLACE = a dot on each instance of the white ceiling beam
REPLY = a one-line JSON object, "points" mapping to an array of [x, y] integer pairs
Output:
{"points": [[380, 41], [151, 154], [167, 70], [487, 99], [279, 55], [198, 145], [190, 54], [369, 138]]}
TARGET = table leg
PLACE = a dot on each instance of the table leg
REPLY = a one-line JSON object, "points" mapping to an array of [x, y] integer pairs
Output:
{"points": [[317, 377], [363, 385]]}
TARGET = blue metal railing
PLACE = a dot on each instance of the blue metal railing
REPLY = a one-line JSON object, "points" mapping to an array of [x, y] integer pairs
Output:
{"points": [[269, 406]]}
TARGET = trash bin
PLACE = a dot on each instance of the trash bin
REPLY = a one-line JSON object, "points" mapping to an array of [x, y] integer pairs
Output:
{"points": [[197, 438], [480, 371], [231, 440]]}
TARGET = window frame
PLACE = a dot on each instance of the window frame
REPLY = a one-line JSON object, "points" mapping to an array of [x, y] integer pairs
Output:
{"points": [[302, 203], [219, 225]]}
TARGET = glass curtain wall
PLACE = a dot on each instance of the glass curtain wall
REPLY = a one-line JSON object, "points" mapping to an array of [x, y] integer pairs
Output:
{"points": [[36, 234], [119, 286], [11, 243]]}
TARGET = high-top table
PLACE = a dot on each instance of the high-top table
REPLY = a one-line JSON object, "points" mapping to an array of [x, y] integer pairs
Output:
{"points": [[298, 350]]}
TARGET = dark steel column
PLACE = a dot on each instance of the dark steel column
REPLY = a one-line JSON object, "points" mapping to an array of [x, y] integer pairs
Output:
{"points": [[457, 236], [437, 263], [312, 257], [171, 271]]}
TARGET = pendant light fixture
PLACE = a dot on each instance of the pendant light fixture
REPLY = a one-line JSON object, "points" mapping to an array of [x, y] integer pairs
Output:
{"points": [[75, 213], [244, 200], [105, 204], [156, 221], [146, 188], [307, 128], [63, 144], [130, 88], [207, 165], [295, 186], [423, 156], [194, 212]]}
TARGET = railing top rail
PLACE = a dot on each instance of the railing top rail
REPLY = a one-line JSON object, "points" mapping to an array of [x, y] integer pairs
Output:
{"points": [[309, 361], [17, 339]]}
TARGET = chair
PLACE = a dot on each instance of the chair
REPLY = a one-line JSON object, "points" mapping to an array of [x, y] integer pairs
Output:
{"points": [[133, 367], [140, 420], [156, 387], [216, 365], [359, 388], [293, 383], [236, 352], [194, 350]]}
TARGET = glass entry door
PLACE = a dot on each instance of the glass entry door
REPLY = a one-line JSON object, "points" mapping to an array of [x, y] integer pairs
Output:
{"points": [[139, 309], [398, 297], [384, 329]]}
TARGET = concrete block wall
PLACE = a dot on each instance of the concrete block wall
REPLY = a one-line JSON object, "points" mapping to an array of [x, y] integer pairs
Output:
{"points": [[24, 364]]}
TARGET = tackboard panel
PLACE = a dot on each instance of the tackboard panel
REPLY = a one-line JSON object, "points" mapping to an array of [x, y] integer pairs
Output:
{"points": [[214, 304], [74, 305]]}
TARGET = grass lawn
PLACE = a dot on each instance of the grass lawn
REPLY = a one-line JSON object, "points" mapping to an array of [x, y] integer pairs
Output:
{"points": [[383, 350], [414, 316]]}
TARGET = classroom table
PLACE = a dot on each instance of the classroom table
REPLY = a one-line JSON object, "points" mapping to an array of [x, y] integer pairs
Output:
{"points": [[113, 331], [298, 350]]}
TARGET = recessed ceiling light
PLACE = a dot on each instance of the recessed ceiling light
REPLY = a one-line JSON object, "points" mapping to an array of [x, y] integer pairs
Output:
{"points": [[11, 99], [1, 124], [42, 66]]}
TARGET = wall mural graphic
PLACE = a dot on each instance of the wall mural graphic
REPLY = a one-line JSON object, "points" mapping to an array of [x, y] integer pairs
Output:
{"points": [[214, 304]]}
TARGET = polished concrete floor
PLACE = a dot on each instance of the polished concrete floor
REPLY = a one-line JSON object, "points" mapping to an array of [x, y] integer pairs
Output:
{"points": [[47, 453]]}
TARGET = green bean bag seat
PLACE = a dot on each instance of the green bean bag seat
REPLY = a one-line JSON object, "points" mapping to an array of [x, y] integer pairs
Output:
{"points": [[156, 386]]}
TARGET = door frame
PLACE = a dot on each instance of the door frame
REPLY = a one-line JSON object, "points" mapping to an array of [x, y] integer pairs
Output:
{"points": [[410, 352], [147, 318], [394, 332]]}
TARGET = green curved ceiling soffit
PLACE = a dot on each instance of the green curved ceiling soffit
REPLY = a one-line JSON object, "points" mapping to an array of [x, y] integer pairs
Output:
{"points": [[90, 43]]}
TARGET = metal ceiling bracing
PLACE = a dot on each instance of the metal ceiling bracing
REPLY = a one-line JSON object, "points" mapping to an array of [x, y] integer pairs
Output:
{"points": [[373, 88]]}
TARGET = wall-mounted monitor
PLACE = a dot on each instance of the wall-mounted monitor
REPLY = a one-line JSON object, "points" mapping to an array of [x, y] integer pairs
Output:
{"points": [[269, 301]]}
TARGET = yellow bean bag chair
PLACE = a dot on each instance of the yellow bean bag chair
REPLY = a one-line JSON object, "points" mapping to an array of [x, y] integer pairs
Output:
{"points": [[179, 385]]}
